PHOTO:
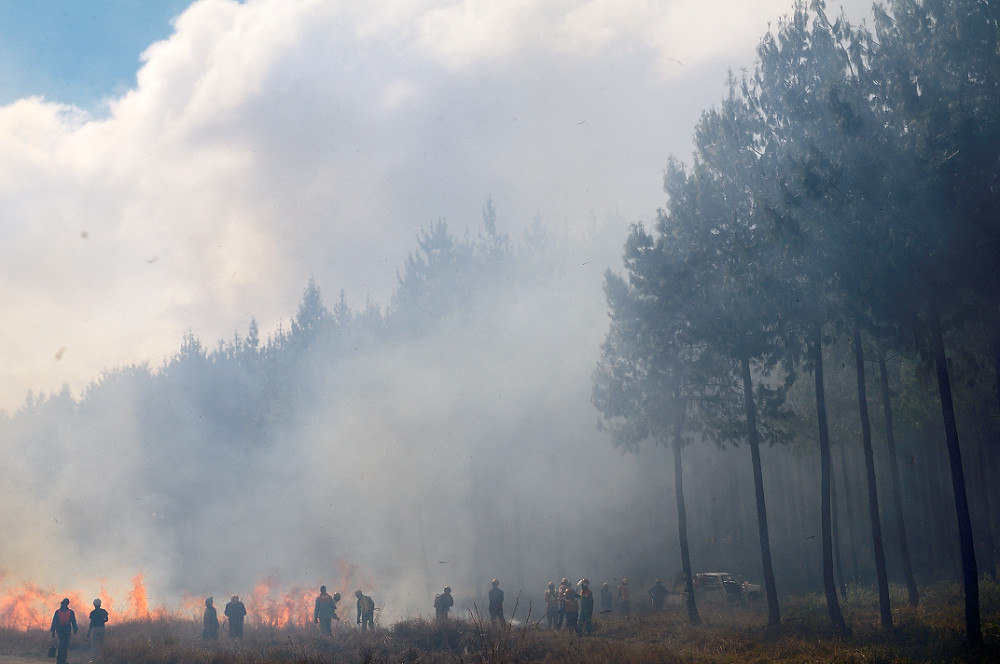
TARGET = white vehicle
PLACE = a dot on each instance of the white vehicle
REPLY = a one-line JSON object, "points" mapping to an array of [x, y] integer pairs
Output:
{"points": [[721, 587]]}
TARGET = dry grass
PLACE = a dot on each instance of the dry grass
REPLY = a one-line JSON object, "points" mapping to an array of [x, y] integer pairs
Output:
{"points": [[932, 632]]}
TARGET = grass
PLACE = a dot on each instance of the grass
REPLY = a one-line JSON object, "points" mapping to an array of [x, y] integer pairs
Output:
{"points": [[930, 633]]}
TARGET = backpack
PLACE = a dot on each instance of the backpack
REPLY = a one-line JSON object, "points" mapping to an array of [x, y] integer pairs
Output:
{"points": [[367, 604]]}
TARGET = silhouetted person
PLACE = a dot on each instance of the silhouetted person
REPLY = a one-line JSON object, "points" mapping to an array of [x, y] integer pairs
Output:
{"points": [[63, 626], [552, 605], [236, 612], [325, 610], [210, 621], [657, 593], [95, 630], [624, 603], [607, 602], [443, 603], [366, 610], [496, 602], [586, 608]]}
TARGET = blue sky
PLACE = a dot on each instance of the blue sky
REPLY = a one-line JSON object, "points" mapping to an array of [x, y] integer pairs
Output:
{"points": [[77, 51]]}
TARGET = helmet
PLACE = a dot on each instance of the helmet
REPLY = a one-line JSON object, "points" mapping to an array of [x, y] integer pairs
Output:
{"points": [[657, 582], [495, 582], [564, 580], [336, 597], [552, 584], [447, 589], [604, 585], [624, 582], [584, 582], [358, 593]]}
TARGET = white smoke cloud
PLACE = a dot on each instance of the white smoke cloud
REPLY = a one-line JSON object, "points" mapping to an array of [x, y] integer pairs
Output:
{"points": [[268, 141]]}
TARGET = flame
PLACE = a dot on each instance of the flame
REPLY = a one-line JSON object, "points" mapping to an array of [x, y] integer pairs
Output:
{"points": [[138, 603], [30, 606]]}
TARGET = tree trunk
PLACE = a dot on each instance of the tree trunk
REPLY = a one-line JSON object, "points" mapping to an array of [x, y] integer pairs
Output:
{"points": [[873, 512], [897, 494], [829, 583], [838, 560], [970, 574], [753, 436], [682, 534], [849, 518]]}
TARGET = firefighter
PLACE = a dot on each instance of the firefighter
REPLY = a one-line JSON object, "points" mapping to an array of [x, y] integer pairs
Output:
{"points": [[564, 585], [325, 610], [443, 603], [210, 621], [657, 593], [496, 602], [571, 607], [95, 630], [586, 621], [236, 611], [607, 602], [624, 605], [551, 605], [63, 625], [366, 611]]}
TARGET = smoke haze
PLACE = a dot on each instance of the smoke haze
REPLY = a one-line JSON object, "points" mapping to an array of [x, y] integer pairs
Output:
{"points": [[267, 142]]}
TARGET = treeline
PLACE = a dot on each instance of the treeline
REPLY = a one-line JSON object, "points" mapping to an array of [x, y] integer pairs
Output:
{"points": [[844, 197]]}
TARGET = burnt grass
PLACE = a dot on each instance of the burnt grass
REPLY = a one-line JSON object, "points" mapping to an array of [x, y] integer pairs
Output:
{"points": [[931, 632]]}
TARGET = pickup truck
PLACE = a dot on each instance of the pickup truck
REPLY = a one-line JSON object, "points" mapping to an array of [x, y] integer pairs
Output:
{"points": [[720, 587]]}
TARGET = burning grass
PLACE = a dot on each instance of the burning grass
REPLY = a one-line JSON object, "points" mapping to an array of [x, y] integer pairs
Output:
{"points": [[931, 632]]}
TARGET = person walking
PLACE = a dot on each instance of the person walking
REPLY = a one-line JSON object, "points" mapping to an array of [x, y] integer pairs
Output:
{"points": [[95, 630], [63, 626]]}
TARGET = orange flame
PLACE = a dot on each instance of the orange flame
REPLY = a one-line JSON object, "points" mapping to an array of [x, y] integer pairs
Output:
{"points": [[138, 604], [30, 606]]}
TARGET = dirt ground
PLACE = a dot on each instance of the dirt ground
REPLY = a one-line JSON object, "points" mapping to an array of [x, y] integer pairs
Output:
{"points": [[12, 659]]}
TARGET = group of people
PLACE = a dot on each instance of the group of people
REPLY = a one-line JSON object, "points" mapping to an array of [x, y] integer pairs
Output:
{"points": [[324, 613], [567, 606], [64, 626], [325, 610], [235, 612], [564, 606]]}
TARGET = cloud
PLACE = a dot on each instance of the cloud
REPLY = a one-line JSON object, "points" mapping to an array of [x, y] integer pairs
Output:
{"points": [[270, 140]]}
